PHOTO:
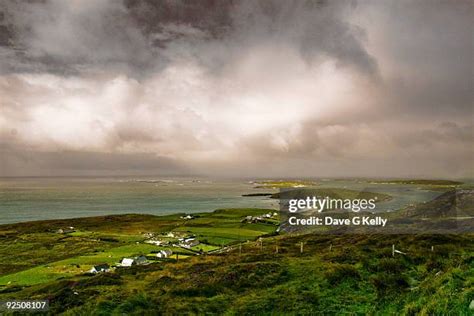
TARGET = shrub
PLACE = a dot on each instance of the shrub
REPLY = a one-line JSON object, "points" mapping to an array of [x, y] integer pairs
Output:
{"points": [[389, 283], [340, 272], [390, 265], [102, 279], [137, 305]]}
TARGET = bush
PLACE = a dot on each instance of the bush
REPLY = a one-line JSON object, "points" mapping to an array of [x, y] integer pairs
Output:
{"points": [[340, 272], [139, 304], [102, 279], [445, 251], [390, 265], [389, 283]]}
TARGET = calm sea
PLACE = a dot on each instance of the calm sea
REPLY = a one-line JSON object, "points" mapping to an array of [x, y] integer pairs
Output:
{"points": [[28, 199]]}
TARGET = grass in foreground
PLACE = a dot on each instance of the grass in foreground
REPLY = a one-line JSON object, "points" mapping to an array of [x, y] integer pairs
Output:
{"points": [[350, 274]]}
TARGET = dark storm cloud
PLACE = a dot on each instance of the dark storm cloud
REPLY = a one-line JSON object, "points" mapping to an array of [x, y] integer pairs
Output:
{"points": [[60, 36], [139, 37], [428, 51], [253, 88]]}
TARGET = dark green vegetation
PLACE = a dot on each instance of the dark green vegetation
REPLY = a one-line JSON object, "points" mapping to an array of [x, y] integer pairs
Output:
{"points": [[349, 274]]}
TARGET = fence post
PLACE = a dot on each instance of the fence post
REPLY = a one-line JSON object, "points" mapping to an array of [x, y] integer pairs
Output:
{"points": [[301, 247], [393, 250]]}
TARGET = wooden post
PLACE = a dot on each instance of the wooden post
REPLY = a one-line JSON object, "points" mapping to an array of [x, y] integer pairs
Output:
{"points": [[330, 247], [276, 249], [301, 247], [177, 256], [432, 248], [393, 250]]}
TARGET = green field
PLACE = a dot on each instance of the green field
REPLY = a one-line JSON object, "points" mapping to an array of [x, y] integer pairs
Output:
{"points": [[35, 253]]}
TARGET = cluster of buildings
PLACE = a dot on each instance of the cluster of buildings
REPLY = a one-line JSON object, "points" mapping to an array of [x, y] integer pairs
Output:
{"points": [[175, 239], [128, 262], [125, 262], [259, 219], [188, 242]]}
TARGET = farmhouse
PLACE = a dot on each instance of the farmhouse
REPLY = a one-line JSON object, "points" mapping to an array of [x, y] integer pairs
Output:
{"points": [[127, 262], [164, 253], [189, 242], [100, 268], [140, 260]]}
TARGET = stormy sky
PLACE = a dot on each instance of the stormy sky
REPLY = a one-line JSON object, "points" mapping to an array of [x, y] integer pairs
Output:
{"points": [[237, 88]]}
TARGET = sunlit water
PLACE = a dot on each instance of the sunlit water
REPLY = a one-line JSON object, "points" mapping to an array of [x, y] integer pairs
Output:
{"points": [[27, 199]]}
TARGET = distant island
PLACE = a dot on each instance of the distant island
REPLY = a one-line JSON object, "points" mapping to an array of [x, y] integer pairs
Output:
{"points": [[417, 182]]}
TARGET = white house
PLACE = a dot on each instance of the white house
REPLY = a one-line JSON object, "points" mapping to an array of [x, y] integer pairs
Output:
{"points": [[127, 262], [189, 242], [164, 253]]}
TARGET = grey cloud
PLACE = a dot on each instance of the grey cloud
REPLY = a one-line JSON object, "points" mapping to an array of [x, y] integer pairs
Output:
{"points": [[67, 37], [317, 28], [448, 133], [17, 161], [139, 37], [428, 49], [237, 87]]}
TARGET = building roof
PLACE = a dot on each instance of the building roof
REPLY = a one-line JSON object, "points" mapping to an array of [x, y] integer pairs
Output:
{"points": [[103, 266], [127, 261]]}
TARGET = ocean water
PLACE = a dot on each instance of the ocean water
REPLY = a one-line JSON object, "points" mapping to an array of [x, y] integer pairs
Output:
{"points": [[28, 199]]}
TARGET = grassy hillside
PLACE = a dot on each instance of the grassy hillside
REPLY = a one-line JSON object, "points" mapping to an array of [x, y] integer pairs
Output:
{"points": [[35, 252], [350, 274], [242, 266]]}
